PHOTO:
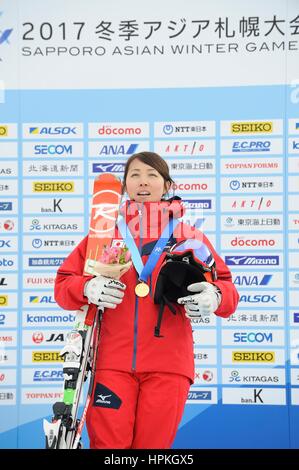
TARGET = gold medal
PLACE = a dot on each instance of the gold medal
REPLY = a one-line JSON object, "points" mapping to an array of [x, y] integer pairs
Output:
{"points": [[142, 289]]}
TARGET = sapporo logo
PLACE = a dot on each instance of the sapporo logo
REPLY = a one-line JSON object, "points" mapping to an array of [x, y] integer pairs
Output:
{"points": [[253, 356], [252, 127], [4, 35], [46, 356], [53, 186], [3, 300], [3, 129]]}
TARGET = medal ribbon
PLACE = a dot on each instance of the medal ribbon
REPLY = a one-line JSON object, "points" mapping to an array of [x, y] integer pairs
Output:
{"points": [[146, 270]]}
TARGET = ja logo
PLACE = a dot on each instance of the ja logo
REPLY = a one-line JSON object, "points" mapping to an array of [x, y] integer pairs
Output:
{"points": [[234, 185], [4, 35]]}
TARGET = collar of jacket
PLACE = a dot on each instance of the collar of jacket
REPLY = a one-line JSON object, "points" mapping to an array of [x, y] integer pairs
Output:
{"points": [[150, 218]]}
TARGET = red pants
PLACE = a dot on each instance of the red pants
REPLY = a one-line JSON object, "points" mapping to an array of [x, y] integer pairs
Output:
{"points": [[135, 411]]}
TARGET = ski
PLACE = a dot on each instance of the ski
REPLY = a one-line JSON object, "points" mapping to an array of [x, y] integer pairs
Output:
{"points": [[79, 353]]}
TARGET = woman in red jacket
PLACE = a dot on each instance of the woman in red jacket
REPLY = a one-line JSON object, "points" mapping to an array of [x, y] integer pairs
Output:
{"points": [[144, 369]]}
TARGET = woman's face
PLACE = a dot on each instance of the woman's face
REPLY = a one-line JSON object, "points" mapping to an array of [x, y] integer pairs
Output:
{"points": [[144, 183]]}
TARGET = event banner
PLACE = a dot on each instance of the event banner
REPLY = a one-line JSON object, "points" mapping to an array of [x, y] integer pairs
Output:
{"points": [[213, 87]]}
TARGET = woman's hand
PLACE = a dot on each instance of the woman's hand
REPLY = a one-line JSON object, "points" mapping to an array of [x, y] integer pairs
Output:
{"points": [[104, 291], [205, 302]]}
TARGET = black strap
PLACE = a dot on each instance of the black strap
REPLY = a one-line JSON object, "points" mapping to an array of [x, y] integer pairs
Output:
{"points": [[164, 301]]}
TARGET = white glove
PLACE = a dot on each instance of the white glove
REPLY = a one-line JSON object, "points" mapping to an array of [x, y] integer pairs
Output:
{"points": [[104, 291], [204, 303]]}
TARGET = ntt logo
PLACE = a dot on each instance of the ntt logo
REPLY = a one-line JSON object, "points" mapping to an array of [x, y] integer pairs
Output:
{"points": [[243, 242]]}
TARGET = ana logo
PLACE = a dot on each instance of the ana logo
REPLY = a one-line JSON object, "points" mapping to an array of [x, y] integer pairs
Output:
{"points": [[114, 149], [37, 337], [253, 280], [4, 35]]}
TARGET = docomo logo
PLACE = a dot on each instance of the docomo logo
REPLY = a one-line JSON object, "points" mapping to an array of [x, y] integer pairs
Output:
{"points": [[104, 213], [190, 186], [109, 130], [238, 241]]}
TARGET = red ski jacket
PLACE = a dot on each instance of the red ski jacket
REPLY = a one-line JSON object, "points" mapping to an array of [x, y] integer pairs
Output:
{"points": [[127, 340]]}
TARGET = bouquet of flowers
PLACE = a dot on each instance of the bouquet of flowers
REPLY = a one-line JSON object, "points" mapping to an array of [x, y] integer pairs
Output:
{"points": [[113, 262]]}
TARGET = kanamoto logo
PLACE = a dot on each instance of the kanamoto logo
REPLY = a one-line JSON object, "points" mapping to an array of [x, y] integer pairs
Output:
{"points": [[252, 127], [110, 130], [3, 131], [46, 356], [253, 356], [240, 241], [53, 187]]}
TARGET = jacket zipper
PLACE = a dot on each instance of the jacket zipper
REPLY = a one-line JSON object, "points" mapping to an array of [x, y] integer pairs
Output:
{"points": [[137, 299]]}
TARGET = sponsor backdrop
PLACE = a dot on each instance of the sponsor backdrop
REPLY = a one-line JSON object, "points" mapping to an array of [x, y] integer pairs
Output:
{"points": [[213, 88]]}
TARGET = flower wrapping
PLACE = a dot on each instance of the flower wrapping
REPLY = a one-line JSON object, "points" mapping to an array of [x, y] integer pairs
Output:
{"points": [[113, 262]]}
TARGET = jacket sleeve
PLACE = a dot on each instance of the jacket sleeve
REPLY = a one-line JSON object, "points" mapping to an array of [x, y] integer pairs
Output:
{"points": [[229, 293], [69, 281]]}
